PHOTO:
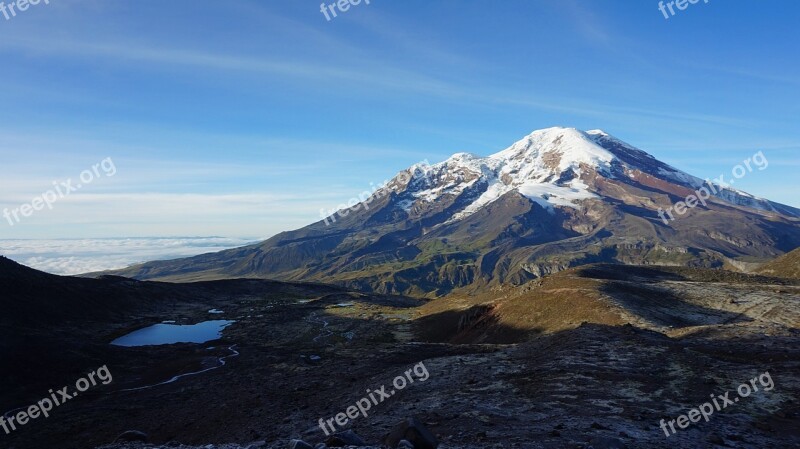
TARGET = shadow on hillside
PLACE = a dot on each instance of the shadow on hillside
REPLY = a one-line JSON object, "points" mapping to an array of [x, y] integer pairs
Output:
{"points": [[475, 325], [663, 308], [628, 273]]}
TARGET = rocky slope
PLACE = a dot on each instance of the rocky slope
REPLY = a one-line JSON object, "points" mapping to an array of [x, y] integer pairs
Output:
{"points": [[787, 266], [556, 199]]}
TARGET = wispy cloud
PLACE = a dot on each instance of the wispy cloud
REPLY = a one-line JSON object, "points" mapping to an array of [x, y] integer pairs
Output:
{"points": [[586, 21], [377, 73], [159, 56]]}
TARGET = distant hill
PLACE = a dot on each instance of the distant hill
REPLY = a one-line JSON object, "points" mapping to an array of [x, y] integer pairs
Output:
{"points": [[786, 266], [34, 298]]}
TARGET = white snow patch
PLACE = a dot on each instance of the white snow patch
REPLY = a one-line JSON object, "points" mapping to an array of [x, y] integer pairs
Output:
{"points": [[554, 195], [405, 205], [574, 147], [495, 190]]}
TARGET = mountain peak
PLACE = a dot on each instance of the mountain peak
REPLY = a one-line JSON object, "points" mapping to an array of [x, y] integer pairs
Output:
{"points": [[557, 166], [558, 197], [558, 149], [546, 166]]}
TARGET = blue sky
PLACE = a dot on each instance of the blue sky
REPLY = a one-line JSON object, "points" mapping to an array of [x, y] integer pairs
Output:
{"points": [[244, 118]]}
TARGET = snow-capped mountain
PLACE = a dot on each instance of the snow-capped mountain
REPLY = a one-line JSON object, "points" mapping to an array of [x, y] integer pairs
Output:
{"points": [[555, 167], [557, 198], [545, 167]]}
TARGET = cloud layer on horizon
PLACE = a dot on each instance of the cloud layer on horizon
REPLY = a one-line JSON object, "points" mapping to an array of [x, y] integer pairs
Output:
{"points": [[77, 256]]}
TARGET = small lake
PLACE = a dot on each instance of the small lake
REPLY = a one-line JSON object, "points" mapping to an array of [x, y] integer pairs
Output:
{"points": [[167, 334]]}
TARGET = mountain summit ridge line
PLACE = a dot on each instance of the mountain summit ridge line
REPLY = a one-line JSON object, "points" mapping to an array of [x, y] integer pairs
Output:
{"points": [[557, 198]]}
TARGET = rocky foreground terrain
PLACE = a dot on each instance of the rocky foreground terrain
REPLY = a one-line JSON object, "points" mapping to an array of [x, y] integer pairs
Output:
{"points": [[589, 357]]}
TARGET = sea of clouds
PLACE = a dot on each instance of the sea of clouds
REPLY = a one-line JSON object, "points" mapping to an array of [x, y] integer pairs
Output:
{"points": [[76, 256]]}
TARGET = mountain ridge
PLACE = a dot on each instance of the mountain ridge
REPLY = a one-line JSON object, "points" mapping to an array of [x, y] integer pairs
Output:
{"points": [[555, 199]]}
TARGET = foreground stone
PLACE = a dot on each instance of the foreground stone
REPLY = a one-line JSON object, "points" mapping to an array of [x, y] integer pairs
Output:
{"points": [[411, 431], [346, 438], [132, 436]]}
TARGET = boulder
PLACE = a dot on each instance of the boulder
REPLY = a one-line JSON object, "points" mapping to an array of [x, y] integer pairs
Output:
{"points": [[412, 431], [346, 438], [132, 436], [299, 444]]}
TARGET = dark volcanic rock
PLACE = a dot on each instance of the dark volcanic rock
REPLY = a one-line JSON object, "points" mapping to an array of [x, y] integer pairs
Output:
{"points": [[346, 438], [606, 443], [299, 444], [132, 435], [412, 431]]}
